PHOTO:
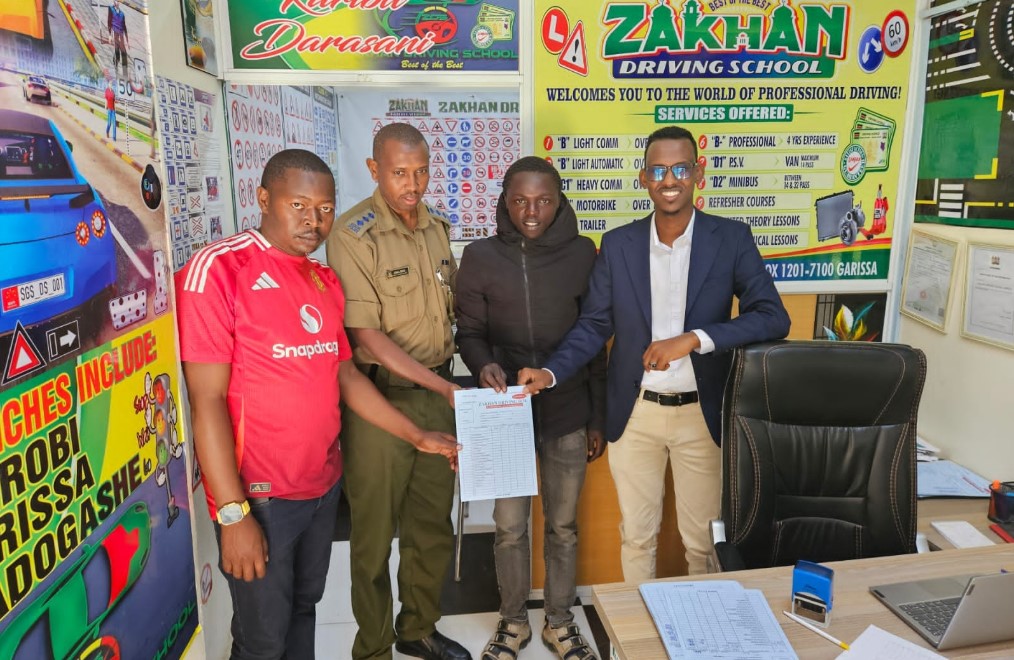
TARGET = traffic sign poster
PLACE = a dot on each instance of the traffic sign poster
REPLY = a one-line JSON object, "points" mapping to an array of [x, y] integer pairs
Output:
{"points": [[375, 35], [264, 119], [965, 175], [798, 113], [191, 124], [474, 136]]}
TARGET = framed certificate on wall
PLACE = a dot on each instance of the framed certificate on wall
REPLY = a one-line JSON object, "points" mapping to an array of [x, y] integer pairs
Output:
{"points": [[989, 295], [929, 279]]}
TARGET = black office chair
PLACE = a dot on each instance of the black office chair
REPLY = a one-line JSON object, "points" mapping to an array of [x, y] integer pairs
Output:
{"points": [[818, 453]]}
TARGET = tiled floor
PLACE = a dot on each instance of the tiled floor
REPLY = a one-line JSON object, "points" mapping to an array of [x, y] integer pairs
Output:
{"points": [[334, 640], [469, 606]]}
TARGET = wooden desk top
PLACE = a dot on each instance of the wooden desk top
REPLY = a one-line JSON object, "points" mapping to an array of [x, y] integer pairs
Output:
{"points": [[634, 637]]}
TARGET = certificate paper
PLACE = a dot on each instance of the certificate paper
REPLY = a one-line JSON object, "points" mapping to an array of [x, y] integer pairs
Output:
{"points": [[928, 277], [989, 295], [497, 437]]}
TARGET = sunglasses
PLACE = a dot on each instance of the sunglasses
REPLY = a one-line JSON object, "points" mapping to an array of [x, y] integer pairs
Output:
{"points": [[680, 171]]}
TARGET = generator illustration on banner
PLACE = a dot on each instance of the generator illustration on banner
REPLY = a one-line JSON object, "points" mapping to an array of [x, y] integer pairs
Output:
{"points": [[839, 216]]}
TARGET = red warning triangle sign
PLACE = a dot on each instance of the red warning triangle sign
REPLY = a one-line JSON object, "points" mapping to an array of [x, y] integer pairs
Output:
{"points": [[438, 159], [23, 357], [437, 144], [574, 56]]}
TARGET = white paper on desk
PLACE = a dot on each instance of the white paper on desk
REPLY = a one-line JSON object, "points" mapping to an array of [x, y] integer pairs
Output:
{"points": [[497, 437], [878, 644], [719, 620], [948, 479], [961, 534]]}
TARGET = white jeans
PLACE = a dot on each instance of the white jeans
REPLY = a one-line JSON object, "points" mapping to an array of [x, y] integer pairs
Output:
{"points": [[637, 462]]}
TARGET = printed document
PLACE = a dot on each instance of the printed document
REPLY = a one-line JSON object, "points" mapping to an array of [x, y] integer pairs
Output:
{"points": [[878, 644], [497, 437], [948, 479], [715, 619]]}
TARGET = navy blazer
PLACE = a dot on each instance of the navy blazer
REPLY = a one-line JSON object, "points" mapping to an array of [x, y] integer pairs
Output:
{"points": [[724, 262]]}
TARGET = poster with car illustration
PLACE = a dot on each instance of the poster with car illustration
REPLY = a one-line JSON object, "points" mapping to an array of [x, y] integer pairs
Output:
{"points": [[95, 536]]}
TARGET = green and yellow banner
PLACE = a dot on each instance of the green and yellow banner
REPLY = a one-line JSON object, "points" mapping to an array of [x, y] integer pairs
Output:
{"points": [[798, 109]]}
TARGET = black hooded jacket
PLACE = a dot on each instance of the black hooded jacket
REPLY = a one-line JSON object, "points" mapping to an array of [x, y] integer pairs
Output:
{"points": [[515, 301]]}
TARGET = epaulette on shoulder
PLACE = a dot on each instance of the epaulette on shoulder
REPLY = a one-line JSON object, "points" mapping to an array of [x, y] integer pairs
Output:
{"points": [[358, 225], [438, 214]]}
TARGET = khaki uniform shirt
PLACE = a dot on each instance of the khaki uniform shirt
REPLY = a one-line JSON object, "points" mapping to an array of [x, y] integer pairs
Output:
{"points": [[396, 280]]}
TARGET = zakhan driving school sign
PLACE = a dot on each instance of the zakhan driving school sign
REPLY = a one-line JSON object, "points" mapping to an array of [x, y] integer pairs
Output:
{"points": [[797, 108], [374, 35]]}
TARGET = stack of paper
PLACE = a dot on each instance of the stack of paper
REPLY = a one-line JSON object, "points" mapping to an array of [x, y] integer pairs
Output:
{"points": [[718, 619], [948, 479], [925, 452], [961, 534]]}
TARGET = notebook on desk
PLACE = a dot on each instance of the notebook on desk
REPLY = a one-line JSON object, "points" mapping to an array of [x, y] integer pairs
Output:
{"points": [[954, 611]]}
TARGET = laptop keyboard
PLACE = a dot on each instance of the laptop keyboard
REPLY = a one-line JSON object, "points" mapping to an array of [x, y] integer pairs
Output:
{"points": [[933, 615]]}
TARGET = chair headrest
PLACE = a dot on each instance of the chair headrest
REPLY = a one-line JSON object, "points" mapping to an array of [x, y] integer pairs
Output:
{"points": [[825, 383]]}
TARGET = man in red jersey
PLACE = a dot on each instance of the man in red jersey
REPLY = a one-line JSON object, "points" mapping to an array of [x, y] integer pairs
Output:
{"points": [[265, 358]]}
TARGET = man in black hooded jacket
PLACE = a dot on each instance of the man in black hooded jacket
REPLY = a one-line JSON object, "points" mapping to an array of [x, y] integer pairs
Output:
{"points": [[518, 293]]}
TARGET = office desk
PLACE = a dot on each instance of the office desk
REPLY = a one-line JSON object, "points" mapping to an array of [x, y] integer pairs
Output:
{"points": [[633, 636]]}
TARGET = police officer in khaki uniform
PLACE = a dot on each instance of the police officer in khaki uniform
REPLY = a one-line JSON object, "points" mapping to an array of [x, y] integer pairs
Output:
{"points": [[393, 257]]}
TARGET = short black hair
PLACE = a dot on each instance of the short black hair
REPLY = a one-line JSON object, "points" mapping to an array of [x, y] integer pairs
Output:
{"points": [[532, 164], [293, 159], [399, 132], [670, 133]]}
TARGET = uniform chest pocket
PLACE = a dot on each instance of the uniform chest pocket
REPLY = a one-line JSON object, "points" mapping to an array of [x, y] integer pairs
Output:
{"points": [[401, 296]]}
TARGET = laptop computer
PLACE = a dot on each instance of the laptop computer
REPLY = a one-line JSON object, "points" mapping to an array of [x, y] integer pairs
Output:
{"points": [[954, 611]]}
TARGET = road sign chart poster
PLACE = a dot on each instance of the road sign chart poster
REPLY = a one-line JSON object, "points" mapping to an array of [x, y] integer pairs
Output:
{"points": [[375, 35], [798, 109], [190, 120], [263, 120], [473, 135], [966, 161]]}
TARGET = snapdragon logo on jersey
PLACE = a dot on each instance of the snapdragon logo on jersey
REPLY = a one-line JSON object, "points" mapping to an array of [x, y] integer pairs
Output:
{"points": [[313, 322], [702, 41], [311, 319]]}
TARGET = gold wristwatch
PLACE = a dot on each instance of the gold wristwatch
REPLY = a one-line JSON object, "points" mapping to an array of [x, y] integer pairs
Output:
{"points": [[233, 512]]}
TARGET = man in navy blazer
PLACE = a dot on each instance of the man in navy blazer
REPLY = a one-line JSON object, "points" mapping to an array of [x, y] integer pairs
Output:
{"points": [[663, 287]]}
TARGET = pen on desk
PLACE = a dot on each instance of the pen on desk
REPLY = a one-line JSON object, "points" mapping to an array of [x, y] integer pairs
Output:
{"points": [[807, 624]]}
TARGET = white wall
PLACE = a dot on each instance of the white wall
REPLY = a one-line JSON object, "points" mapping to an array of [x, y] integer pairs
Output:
{"points": [[169, 60], [968, 405]]}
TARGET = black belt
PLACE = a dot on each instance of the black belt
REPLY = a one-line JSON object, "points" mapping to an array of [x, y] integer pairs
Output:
{"points": [[673, 399], [381, 377]]}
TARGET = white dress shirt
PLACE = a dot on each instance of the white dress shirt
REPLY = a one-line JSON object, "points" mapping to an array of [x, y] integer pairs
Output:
{"points": [[670, 268]]}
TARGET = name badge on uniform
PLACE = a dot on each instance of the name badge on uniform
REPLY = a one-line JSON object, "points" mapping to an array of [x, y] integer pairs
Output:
{"points": [[398, 272]]}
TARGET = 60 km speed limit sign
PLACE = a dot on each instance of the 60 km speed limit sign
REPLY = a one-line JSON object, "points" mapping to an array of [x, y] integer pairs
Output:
{"points": [[895, 33]]}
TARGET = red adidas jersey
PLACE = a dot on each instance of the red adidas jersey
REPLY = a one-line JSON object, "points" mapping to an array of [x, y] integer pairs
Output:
{"points": [[279, 321]]}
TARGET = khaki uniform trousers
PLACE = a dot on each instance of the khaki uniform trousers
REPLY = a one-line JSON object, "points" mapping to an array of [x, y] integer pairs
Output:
{"points": [[392, 487], [637, 462]]}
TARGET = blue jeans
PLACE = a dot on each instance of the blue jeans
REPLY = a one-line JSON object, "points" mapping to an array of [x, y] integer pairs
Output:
{"points": [[111, 122], [276, 617], [562, 463]]}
